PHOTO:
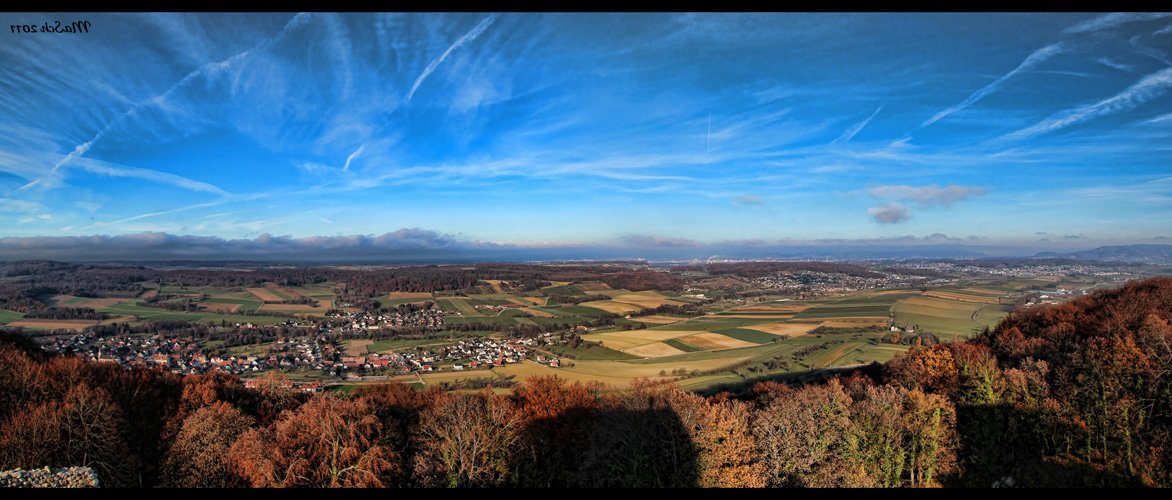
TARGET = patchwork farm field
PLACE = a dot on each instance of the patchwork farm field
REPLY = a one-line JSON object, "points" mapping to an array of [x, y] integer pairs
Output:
{"points": [[788, 328], [658, 320], [947, 317], [730, 339], [7, 316]]}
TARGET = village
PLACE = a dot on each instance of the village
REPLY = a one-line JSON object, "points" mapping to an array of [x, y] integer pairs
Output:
{"points": [[354, 321], [311, 353], [811, 284]]}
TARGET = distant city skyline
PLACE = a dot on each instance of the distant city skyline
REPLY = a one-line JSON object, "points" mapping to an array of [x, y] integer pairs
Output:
{"points": [[583, 134]]}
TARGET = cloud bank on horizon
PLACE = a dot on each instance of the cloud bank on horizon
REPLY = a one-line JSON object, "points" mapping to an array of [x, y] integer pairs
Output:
{"points": [[518, 131]]}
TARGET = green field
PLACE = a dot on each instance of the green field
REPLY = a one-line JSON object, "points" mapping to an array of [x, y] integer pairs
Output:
{"points": [[571, 311], [592, 353], [681, 345], [7, 316], [152, 313], [713, 323], [458, 305], [492, 320], [391, 345], [245, 305], [563, 290], [753, 336], [949, 319], [391, 303]]}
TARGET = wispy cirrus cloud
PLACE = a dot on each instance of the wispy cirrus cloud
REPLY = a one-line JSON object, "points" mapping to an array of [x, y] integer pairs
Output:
{"points": [[1166, 117], [20, 206], [1037, 57], [111, 170], [1112, 20], [854, 130], [1147, 88], [890, 213], [355, 154], [160, 101], [468, 37]]}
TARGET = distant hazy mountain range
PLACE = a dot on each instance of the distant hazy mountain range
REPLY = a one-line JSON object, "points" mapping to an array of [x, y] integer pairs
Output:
{"points": [[1128, 253]]}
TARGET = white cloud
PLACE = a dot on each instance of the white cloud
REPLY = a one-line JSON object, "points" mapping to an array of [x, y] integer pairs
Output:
{"points": [[1034, 59], [468, 37], [1148, 88]]}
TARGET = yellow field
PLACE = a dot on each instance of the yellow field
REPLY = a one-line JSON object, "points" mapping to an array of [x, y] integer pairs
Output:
{"points": [[220, 308], [632, 370], [408, 295], [646, 299], [593, 287], [908, 305], [961, 297], [323, 306], [117, 319], [288, 291], [615, 373], [611, 306], [714, 341], [264, 295], [655, 350], [76, 325], [537, 312], [634, 338], [788, 329], [357, 347], [555, 284], [627, 302], [777, 308], [658, 320], [537, 301], [495, 284], [93, 303], [983, 291], [856, 322], [609, 292], [100, 303]]}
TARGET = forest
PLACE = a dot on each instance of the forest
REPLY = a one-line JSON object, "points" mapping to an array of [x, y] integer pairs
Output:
{"points": [[1076, 394]]}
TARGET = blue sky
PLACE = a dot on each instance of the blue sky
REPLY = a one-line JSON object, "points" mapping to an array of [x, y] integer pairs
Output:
{"points": [[564, 130]]}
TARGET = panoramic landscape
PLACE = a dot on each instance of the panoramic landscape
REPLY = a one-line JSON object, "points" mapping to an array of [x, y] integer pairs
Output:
{"points": [[586, 250]]}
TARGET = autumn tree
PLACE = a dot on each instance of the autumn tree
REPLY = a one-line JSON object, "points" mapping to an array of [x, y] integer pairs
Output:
{"points": [[196, 457], [906, 438], [398, 407], [327, 442], [552, 413], [806, 439], [638, 440], [467, 440], [91, 426]]}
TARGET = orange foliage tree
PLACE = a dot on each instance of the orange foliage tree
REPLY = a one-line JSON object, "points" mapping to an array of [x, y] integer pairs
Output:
{"points": [[327, 442], [196, 457]]}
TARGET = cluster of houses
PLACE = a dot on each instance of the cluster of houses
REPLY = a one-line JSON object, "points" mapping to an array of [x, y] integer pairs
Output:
{"points": [[432, 319], [498, 308], [189, 358], [468, 354], [1017, 271], [819, 283]]}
